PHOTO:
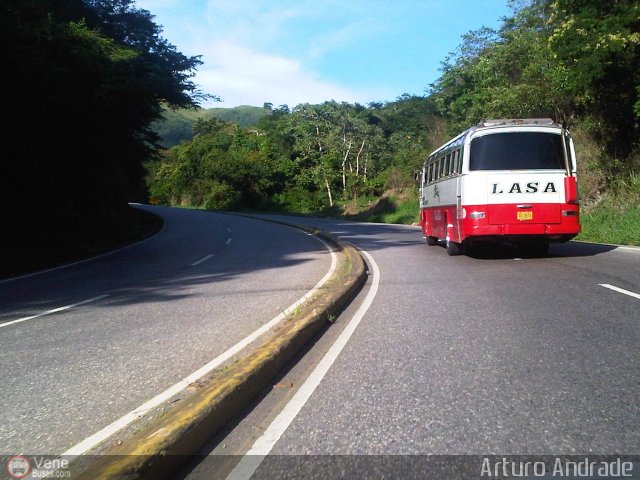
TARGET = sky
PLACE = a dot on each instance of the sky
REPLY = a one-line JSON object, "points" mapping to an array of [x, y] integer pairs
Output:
{"points": [[310, 51]]}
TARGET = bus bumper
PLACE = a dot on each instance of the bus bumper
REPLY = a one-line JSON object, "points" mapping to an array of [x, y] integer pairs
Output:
{"points": [[562, 231]]}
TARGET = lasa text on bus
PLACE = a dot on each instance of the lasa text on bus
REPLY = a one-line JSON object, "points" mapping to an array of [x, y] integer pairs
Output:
{"points": [[529, 187]]}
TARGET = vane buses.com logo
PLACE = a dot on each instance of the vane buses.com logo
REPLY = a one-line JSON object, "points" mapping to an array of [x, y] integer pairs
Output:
{"points": [[18, 466]]}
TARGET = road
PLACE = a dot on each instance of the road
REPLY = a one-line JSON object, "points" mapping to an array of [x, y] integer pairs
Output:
{"points": [[84, 345], [486, 355]]}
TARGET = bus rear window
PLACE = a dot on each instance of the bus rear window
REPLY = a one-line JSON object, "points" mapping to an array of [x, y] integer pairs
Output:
{"points": [[517, 151]]}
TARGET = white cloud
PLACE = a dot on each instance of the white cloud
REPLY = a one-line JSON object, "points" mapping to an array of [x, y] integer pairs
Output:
{"points": [[242, 76]]}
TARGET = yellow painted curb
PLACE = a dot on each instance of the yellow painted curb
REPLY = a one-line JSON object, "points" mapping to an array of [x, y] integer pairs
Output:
{"points": [[160, 449]]}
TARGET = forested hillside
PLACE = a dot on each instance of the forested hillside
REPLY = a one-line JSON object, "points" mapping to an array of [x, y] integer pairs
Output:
{"points": [[577, 62], [177, 125], [304, 159], [82, 82]]}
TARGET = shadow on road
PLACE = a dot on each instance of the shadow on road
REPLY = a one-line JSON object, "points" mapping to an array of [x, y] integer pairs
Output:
{"points": [[253, 257], [556, 250]]}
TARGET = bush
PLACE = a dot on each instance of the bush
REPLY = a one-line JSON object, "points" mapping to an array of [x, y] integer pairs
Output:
{"points": [[300, 200], [219, 196]]}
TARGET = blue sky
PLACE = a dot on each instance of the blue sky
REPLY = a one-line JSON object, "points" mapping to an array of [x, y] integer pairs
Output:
{"points": [[310, 51]]}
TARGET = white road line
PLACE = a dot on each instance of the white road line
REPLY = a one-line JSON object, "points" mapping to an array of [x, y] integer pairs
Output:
{"points": [[620, 290], [49, 312], [202, 260], [228, 241], [263, 445], [125, 420]]}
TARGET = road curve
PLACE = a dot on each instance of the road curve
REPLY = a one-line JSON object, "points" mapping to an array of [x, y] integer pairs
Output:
{"points": [[85, 344]]}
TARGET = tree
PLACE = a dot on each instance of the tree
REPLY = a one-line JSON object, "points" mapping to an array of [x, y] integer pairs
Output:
{"points": [[310, 129], [599, 44], [511, 72], [85, 80]]}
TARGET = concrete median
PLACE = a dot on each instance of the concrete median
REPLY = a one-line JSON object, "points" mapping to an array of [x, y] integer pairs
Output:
{"points": [[163, 445]]}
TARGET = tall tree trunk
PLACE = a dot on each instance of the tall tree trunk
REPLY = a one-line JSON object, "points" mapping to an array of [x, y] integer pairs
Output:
{"points": [[366, 158], [358, 159], [344, 172], [326, 182]]}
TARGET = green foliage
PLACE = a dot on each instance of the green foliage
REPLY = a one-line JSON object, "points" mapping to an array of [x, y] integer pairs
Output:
{"points": [[509, 73], [84, 81], [569, 60], [599, 44], [223, 167]]}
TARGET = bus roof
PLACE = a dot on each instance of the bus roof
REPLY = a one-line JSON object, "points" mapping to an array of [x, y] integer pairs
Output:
{"points": [[516, 121]]}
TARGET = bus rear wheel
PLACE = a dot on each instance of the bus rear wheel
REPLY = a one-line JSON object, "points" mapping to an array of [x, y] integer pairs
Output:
{"points": [[431, 241], [453, 248]]}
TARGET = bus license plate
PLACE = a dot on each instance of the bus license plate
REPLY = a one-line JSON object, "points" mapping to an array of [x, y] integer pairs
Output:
{"points": [[525, 215]]}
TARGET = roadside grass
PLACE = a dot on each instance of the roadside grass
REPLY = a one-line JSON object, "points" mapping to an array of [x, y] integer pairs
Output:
{"points": [[607, 223], [393, 210], [399, 207], [615, 218]]}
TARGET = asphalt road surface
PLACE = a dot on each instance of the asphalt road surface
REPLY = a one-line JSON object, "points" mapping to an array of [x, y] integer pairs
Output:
{"points": [[486, 355], [83, 345]]}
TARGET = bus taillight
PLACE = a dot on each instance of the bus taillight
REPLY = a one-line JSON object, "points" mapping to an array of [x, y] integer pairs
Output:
{"points": [[571, 190]]}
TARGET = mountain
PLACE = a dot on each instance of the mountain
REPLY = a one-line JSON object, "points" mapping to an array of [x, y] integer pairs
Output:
{"points": [[177, 125]]}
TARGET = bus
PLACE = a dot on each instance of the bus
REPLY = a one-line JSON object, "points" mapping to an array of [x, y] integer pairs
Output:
{"points": [[501, 181]]}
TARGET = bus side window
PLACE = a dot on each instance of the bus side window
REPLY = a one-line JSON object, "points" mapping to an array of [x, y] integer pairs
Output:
{"points": [[454, 167]]}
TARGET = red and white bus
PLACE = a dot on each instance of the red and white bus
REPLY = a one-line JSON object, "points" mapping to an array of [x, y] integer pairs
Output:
{"points": [[502, 180]]}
